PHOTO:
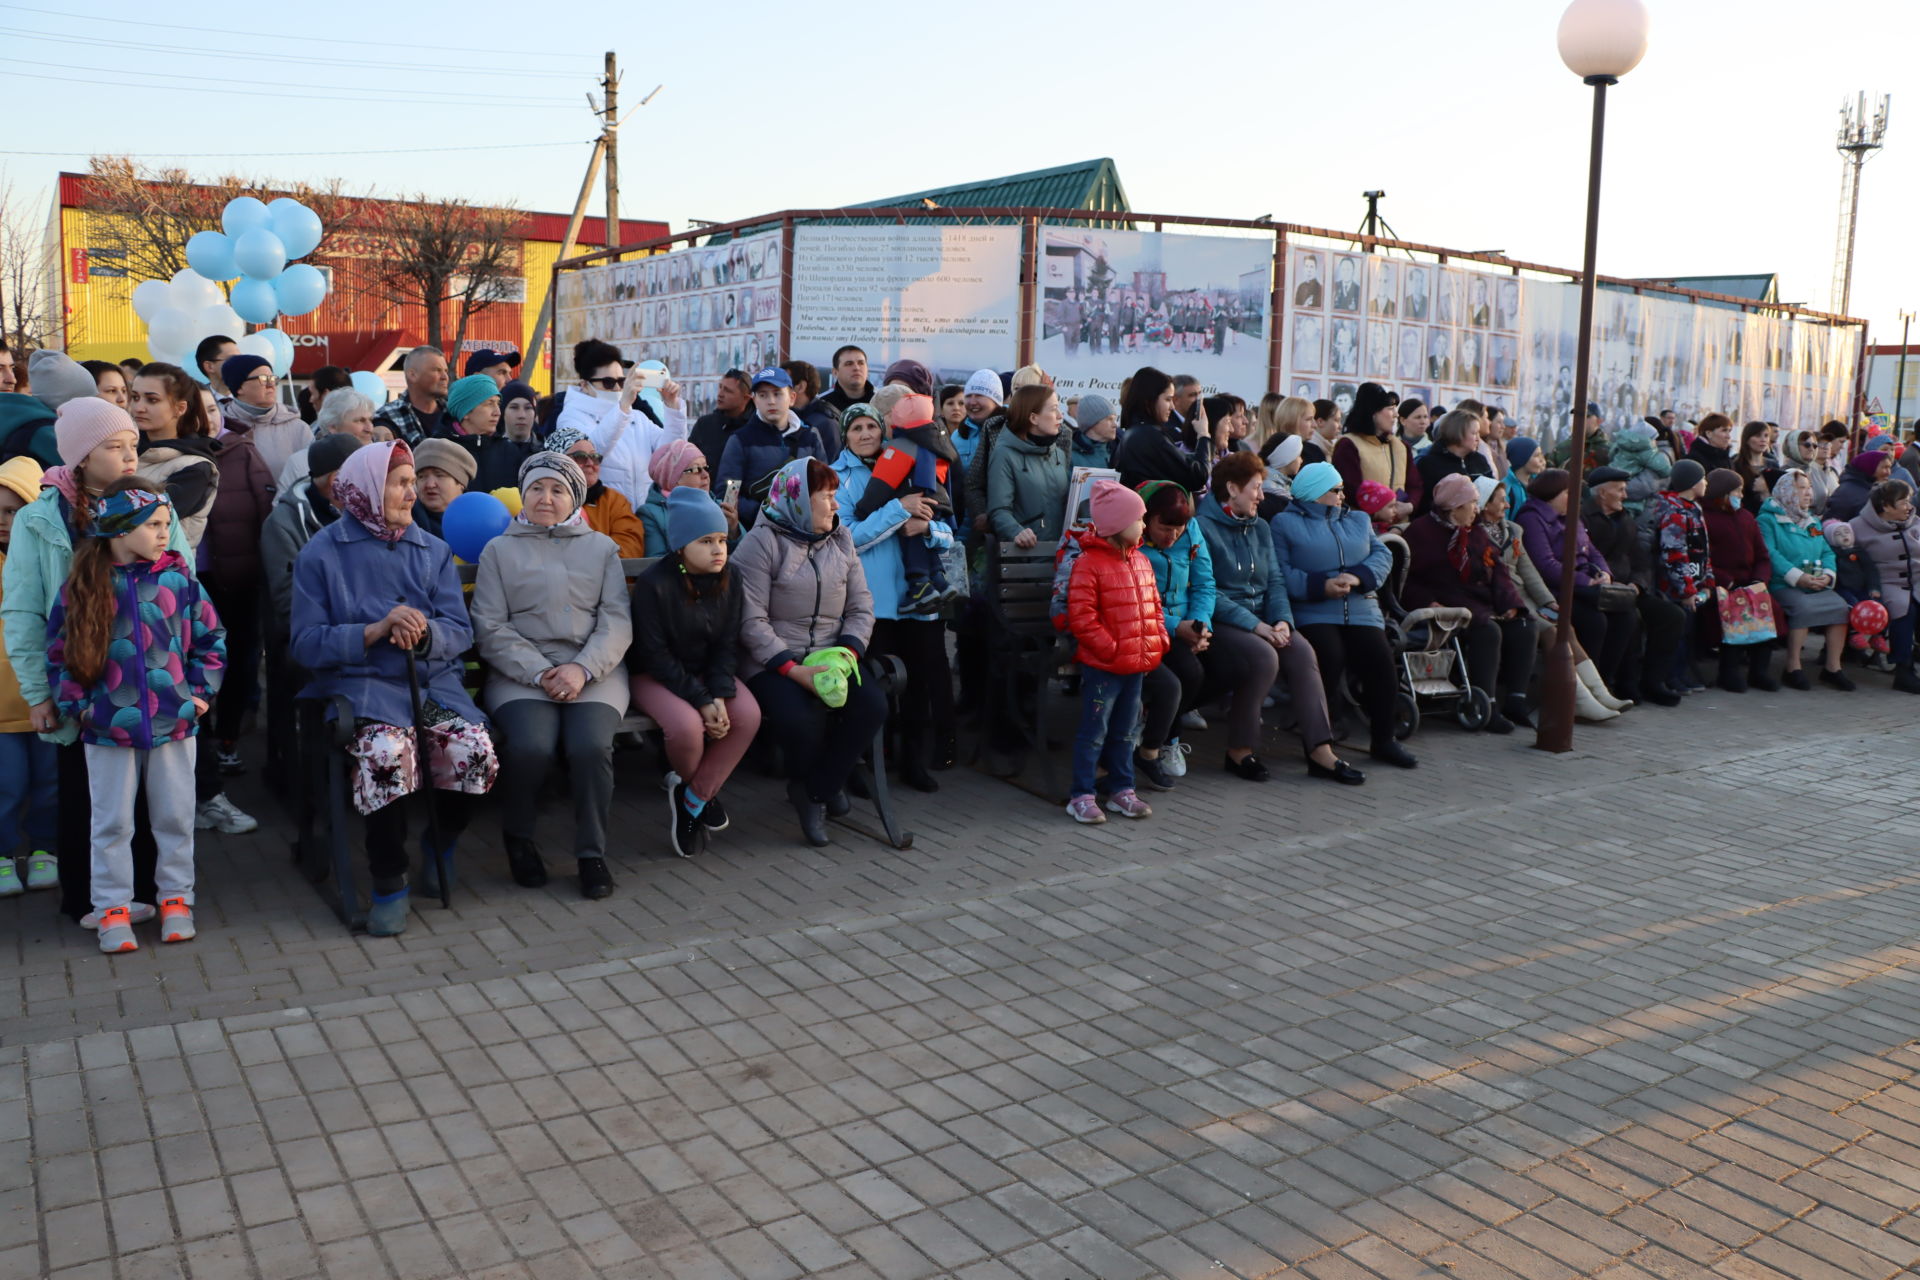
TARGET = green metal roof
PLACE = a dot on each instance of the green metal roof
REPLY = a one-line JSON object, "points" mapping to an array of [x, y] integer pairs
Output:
{"points": [[1090, 184], [1759, 286]]}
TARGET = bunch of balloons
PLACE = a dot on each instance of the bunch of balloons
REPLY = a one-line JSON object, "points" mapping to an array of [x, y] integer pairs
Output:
{"points": [[255, 248]]}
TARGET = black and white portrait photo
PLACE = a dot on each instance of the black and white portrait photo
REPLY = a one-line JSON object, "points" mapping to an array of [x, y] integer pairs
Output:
{"points": [[1308, 338], [1383, 287], [1418, 291], [1308, 273], [1343, 350], [1346, 282]]}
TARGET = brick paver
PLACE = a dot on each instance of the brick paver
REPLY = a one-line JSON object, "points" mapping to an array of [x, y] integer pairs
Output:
{"points": [[1641, 1011]]}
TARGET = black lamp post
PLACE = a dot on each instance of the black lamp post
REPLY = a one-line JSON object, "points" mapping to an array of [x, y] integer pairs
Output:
{"points": [[1600, 41]]}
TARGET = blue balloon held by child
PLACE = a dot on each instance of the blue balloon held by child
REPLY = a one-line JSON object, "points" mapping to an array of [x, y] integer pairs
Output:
{"points": [[472, 520]]}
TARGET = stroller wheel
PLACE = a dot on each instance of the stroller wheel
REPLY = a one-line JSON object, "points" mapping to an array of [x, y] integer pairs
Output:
{"points": [[1406, 715], [1476, 708]]}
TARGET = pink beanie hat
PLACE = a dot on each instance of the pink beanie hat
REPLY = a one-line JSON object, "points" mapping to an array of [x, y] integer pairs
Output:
{"points": [[668, 461], [1114, 507], [83, 425]]}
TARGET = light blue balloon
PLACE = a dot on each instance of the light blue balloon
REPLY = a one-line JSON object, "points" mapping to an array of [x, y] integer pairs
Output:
{"points": [[282, 356], [368, 384], [211, 254], [193, 369], [243, 214], [300, 288], [260, 254], [255, 301], [297, 226]]}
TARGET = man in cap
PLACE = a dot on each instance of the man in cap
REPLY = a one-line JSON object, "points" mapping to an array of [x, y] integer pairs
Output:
{"points": [[498, 365], [774, 437]]}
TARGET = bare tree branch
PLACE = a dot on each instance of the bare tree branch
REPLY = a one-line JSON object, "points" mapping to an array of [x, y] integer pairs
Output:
{"points": [[432, 253], [27, 321]]}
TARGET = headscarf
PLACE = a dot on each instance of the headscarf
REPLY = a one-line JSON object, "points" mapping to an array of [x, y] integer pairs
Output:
{"points": [[119, 514], [1867, 463], [1787, 497], [669, 461], [564, 438], [548, 465], [789, 503], [853, 411], [1448, 494], [360, 486], [1792, 449]]}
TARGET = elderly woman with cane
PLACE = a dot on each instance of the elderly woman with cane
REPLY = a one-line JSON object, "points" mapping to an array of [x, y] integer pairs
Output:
{"points": [[375, 600]]}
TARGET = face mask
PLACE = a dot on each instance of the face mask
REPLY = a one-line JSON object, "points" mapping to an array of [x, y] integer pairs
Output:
{"points": [[611, 397]]}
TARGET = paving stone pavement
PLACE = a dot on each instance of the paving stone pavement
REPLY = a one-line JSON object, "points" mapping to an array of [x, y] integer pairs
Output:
{"points": [[1646, 1010]]}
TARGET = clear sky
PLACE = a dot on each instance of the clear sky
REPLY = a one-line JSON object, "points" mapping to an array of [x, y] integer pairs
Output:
{"points": [[1719, 159]]}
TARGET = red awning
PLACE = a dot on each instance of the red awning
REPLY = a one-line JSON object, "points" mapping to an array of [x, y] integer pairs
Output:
{"points": [[351, 350]]}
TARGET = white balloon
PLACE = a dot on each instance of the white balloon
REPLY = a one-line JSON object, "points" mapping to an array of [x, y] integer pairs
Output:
{"points": [[255, 344], [194, 292], [150, 296], [172, 329], [219, 318]]}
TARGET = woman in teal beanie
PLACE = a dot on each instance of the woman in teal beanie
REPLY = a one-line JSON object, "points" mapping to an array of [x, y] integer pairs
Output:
{"points": [[472, 421]]}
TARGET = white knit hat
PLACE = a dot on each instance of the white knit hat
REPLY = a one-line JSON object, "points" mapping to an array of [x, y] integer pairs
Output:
{"points": [[984, 382]]}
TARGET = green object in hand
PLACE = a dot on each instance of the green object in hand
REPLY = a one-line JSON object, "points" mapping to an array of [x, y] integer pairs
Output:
{"points": [[838, 666]]}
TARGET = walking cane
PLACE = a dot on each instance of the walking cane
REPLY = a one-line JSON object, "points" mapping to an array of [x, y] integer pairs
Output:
{"points": [[442, 856]]}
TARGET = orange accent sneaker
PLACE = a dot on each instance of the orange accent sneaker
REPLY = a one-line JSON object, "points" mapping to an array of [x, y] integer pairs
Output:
{"points": [[176, 920], [116, 931]]}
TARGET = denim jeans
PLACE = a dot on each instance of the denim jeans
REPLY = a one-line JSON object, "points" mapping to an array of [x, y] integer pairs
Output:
{"points": [[29, 792], [1109, 729]]}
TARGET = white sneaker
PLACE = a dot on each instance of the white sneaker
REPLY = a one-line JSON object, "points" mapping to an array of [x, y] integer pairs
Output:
{"points": [[222, 815], [137, 913], [1174, 758], [1193, 720]]}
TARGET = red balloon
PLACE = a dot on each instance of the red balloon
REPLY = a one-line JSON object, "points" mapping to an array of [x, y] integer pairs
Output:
{"points": [[1869, 616]]}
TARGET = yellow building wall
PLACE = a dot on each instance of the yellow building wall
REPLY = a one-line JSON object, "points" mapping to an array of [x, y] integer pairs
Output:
{"points": [[101, 324]]}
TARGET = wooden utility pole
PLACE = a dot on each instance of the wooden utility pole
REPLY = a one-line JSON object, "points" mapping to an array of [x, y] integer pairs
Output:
{"points": [[611, 133]]}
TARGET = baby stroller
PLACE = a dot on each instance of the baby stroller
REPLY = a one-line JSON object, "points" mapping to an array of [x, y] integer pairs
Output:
{"points": [[1433, 665]]}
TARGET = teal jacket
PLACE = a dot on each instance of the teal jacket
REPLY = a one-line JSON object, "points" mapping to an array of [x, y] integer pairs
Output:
{"points": [[1248, 586], [1027, 487], [1794, 549], [33, 421], [1184, 574], [38, 557]]}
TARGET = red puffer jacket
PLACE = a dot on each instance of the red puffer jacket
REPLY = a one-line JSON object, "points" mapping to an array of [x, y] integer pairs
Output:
{"points": [[1113, 609]]}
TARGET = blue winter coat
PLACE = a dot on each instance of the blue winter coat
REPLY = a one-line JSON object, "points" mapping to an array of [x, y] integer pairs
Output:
{"points": [[756, 451], [1248, 588], [1092, 453], [1312, 543], [344, 579], [877, 538], [1184, 574]]}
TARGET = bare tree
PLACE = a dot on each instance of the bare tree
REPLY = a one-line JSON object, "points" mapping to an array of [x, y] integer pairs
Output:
{"points": [[436, 253], [145, 216], [27, 322]]}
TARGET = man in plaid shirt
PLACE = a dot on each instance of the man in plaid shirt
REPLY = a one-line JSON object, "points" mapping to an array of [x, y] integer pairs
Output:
{"points": [[417, 413]]}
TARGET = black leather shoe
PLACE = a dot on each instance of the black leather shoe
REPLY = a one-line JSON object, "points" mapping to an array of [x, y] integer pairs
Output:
{"points": [[1394, 754], [1342, 772], [595, 880], [1796, 680], [1660, 696], [1497, 723], [913, 772], [1905, 680], [1515, 709], [523, 860], [1248, 767], [838, 806], [812, 815], [1838, 680]]}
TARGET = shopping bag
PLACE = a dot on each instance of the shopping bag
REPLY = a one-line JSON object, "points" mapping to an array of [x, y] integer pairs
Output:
{"points": [[1746, 615]]}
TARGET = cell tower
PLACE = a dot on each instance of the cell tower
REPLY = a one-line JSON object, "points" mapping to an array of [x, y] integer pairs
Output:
{"points": [[1859, 138]]}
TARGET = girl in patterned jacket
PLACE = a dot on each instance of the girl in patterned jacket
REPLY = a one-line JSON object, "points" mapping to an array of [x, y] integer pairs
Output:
{"points": [[137, 654]]}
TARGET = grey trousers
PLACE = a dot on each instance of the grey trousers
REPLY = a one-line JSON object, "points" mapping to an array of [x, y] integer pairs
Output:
{"points": [[114, 775], [533, 730], [1248, 665]]}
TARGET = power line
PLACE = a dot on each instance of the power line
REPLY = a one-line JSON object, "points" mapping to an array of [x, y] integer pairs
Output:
{"points": [[284, 154], [253, 56], [259, 93], [215, 31], [483, 98]]}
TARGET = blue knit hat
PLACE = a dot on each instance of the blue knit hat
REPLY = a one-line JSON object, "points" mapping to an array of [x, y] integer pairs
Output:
{"points": [[1520, 448], [692, 514], [469, 393], [1314, 480]]}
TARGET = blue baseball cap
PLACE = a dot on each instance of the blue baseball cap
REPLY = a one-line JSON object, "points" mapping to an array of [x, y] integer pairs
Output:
{"points": [[772, 377], [487, 357]]}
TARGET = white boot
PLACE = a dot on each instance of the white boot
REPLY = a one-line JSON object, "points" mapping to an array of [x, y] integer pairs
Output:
{"points": [[1587, 707], [1590, 680]]}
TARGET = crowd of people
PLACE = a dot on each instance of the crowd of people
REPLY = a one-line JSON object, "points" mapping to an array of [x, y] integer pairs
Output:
{"points": [[181, 552]]}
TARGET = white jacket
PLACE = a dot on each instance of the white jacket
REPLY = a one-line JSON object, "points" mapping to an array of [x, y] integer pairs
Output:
{"points": [[625, 440]]}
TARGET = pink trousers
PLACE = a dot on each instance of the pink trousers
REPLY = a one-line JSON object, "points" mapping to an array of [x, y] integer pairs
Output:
{"points": [[702, 763]]}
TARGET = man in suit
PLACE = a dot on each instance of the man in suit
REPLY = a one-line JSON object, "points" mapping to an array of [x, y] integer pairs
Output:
{"points": [[1307, 293]]}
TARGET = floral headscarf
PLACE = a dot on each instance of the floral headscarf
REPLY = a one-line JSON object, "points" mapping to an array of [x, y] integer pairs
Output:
{"points": [[555, 466], [789, 504], [1791, 498], [360, 486]]}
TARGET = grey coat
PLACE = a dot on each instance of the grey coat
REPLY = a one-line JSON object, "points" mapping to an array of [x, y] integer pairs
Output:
{"points": [[1895, 552], [800, 596], [1027, 487], [547, 596]]}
